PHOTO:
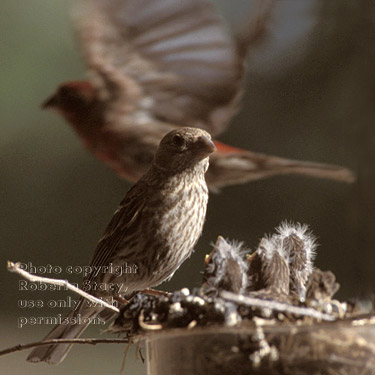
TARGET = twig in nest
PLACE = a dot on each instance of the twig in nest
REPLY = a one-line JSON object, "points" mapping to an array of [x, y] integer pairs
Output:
{"points": [[138, 352], [124, 358], [20, 347], [16, 267], [147, 327], [274, 305]]}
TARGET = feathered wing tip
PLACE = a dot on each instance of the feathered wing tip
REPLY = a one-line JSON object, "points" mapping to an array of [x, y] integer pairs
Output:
{"points": [[254, 27], [161, 49], [226, 266]]}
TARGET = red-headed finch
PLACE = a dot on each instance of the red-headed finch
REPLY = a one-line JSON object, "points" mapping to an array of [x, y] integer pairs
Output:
{"points": [[158, 65], [153, 231]]}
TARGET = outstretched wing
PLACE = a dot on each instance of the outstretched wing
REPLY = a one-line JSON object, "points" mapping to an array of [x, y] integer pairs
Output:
{"points": [[171, 60]]}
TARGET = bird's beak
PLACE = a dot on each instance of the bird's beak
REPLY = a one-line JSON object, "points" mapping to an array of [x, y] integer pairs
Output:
{"points": [[50, 102], [205, 145]]}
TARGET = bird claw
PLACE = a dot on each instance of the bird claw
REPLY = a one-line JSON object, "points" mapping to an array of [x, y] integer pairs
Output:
{"points": [[154, 292]]}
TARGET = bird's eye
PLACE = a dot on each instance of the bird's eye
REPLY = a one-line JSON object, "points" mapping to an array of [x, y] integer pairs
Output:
{"points": [[178, 140]]}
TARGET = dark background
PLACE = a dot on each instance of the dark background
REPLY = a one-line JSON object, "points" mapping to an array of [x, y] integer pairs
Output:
{"points": [[310, 95]]}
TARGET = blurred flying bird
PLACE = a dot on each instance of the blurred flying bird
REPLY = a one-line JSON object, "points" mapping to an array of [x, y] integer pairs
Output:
{"points": [[155, 66]]}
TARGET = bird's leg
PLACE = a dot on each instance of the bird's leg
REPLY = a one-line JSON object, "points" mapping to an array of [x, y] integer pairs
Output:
{"points": [[154, 292], [121, 300]]}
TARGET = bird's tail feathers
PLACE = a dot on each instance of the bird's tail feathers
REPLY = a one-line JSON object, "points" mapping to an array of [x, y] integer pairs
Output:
{"points": [[230, 166], [71, 327]]}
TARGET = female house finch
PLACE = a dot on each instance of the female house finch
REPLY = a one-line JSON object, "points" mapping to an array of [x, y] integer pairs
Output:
{"points": [[154, 229], [159, 65]]}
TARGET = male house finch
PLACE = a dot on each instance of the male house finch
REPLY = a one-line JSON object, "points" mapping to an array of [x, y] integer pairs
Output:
{"points": [[159, 65], [155, 228]]}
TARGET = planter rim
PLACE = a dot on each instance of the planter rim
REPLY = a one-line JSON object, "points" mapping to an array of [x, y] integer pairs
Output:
{"points": [[250, 328]]}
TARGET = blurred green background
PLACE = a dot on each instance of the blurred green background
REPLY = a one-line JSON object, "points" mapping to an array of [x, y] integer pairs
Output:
{"points": [[311, 95]]}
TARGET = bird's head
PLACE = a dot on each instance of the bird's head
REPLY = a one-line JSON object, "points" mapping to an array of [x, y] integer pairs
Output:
{"points": [[73, 99], [183, 149]]}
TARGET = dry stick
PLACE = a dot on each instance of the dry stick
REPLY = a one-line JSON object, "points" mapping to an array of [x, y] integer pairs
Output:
{"points": [[16, 267], [19, 347], [274, 305]]}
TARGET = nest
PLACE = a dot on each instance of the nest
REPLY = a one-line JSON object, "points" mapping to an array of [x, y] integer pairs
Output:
{"points": [[266, 313]]}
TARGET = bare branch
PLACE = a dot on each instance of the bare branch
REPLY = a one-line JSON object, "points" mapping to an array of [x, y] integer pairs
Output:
{"points": [[274, 305], [16, 267], [89, 341]]}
